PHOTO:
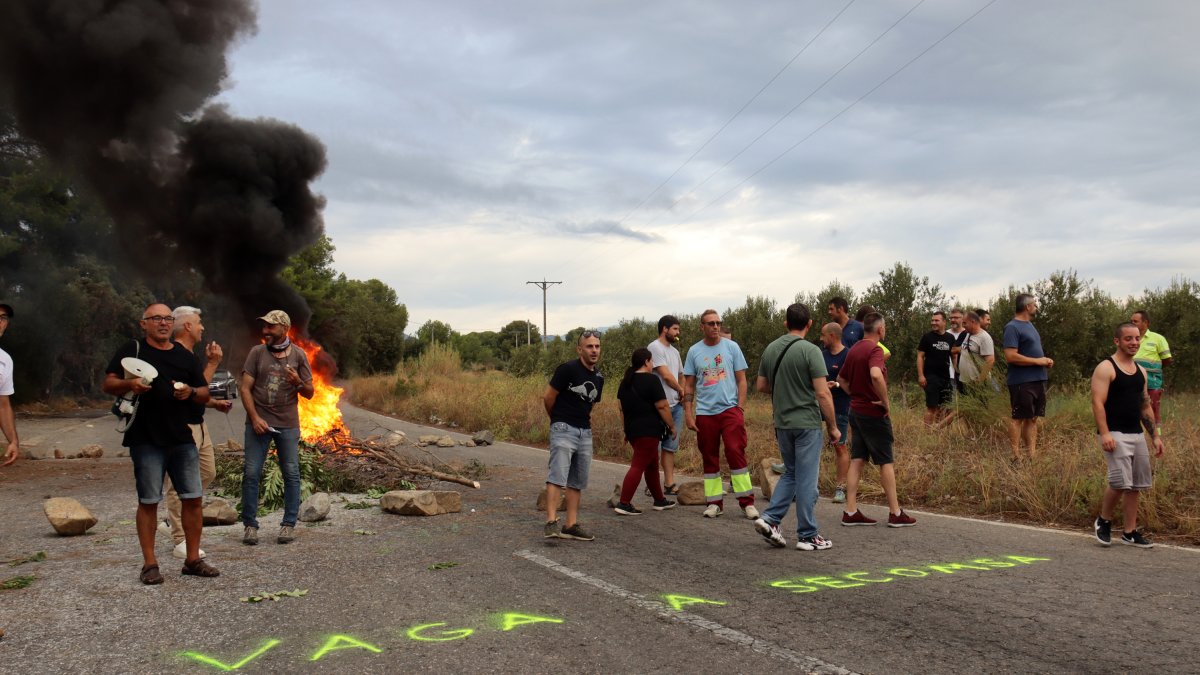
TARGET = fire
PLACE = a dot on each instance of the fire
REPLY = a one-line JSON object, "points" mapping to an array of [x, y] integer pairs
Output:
{"points": [[319, 415]]}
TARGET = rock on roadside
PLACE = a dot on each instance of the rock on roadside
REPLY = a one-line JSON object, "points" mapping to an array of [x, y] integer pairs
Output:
{"points": [[692, 494], [767, 478], [219, 512], [421, 502], [484, 437], [541, 500], [68, 517], [315, 508], [446, 442]]}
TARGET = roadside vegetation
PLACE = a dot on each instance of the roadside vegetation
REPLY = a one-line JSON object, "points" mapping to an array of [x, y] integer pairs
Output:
{"points": [[965, 469]]}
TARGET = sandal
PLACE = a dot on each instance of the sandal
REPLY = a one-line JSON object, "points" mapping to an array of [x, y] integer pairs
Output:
{"points": [[200, 568], [151, 576], [671, 490]]}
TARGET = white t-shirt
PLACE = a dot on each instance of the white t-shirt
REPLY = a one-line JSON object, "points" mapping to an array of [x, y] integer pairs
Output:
{"points": [[975, 349], [6, 371], [666, 355]]}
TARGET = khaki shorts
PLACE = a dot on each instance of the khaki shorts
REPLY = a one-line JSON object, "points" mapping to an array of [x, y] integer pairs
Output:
{"points": [[1129, 463]]}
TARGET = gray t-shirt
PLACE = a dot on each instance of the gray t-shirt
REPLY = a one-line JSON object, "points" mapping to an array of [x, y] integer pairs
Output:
{"points": [[275, 398], [975, 350], [666, 355]]}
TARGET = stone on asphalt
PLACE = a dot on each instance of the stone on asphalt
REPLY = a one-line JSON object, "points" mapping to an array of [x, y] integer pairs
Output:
{"points": [[428, 438], [91, 451], [692, 494], [421, 502], [541, 500], [219, 512], [446, 442], [68, 517], [484, 437], [766, 478], [315, 508], [393, 439]]}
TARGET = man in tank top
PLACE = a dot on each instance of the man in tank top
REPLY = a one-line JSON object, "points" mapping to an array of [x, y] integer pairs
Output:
{"points": [[1122, 409]]}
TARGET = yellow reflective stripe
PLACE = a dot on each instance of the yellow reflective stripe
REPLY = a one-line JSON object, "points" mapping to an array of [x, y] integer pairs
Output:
{"points": [[712, 487], [741, 484]]}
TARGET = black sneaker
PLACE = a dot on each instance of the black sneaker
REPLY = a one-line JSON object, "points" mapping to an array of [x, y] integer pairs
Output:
{"points": [[552, 530], [663, 504], [576, 531], [1103, 531], [1135, 538], [627, 509]]}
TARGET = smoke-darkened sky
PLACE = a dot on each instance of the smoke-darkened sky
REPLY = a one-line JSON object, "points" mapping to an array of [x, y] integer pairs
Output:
{"points": [[474, 146]]}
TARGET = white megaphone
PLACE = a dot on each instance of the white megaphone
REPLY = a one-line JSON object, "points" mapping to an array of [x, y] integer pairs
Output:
{"points": [[127, 405]]}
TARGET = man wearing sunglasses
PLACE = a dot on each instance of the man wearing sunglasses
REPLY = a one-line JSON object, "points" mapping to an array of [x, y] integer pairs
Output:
{"points": [[573, 390], [714, 386], [8, 421], [159, 440]]}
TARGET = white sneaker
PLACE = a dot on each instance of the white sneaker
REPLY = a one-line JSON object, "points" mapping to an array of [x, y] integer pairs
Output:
{"points": [[180, 551], [751, 512], [164, 526], [712, 511]]}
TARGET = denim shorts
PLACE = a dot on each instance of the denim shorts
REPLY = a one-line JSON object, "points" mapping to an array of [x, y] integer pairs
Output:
{"points": [[672, 444], [151, 463], [570, 456]]}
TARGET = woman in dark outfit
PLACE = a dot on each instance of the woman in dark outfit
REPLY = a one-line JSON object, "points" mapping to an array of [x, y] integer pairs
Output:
{"points": [[644, 414]]}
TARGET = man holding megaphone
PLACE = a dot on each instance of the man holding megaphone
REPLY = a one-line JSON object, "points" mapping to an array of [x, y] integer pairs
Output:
{"points": [[167, 380]]}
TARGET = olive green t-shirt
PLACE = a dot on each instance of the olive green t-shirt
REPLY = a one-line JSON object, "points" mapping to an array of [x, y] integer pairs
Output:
{"points": [[794, 400]]}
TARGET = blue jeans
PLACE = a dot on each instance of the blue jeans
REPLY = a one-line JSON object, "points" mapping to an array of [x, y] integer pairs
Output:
{"points": [[801, 450], [672, 444], [570, 456], [287, 448], [152, 462]]}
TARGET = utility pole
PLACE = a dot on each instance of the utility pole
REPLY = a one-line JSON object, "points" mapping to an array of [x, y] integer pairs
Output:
{"points": [[543, 284], [528, 332]]}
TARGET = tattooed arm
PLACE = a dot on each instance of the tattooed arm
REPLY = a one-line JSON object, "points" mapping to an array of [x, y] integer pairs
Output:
{"points": [[1148, 420]]}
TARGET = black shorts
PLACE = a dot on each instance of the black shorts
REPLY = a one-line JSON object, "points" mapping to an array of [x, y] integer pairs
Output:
{"points": [[871, 438], [939, 391], [1028, 400]]}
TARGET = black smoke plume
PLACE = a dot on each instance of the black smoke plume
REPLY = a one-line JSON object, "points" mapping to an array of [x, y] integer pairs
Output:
{"points": [[118, 91]]}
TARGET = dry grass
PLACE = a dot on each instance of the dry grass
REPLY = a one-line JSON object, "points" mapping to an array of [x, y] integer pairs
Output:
{"points": [[964, 469]]}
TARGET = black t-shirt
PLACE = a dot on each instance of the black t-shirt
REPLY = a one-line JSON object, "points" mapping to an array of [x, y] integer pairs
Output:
{"points": [[162, 420], [578, 390], [637, 404], [937, 354]]}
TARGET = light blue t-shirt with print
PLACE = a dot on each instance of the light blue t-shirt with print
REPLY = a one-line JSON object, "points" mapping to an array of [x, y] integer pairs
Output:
{"points": [[715, 371]]}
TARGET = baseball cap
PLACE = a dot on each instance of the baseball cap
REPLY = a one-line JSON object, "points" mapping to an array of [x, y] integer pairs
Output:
{"points": [[277, 317]]}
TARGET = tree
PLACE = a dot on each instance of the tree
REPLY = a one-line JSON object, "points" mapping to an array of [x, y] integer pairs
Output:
{"points": [[907, 302]]}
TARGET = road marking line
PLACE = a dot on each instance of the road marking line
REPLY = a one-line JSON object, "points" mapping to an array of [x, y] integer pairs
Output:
{"points": [[810, 664]]}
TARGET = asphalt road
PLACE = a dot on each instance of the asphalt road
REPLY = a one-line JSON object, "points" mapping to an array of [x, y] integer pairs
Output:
{"points": [[660, 592]]}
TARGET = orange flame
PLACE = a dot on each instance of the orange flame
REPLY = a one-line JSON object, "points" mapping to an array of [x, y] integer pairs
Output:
{"points": [[319, 415]]}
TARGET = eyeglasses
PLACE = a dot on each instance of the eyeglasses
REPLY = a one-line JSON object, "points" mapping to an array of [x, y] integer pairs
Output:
{"points": [[590, 333], [159, 319], [712, 323]]}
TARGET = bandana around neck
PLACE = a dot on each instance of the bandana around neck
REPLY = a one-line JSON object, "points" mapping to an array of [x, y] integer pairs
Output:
{"points": [[281, 347]]}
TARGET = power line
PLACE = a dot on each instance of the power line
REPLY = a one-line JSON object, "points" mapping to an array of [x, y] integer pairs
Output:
{"points": [[793, 109], [736, 114], [842, 111]]}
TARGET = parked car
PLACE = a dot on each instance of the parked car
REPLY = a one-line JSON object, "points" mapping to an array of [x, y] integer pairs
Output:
{"points": [[223, 385]]}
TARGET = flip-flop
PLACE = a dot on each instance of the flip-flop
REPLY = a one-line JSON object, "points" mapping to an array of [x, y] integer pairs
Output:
{"points": [[199, 568], [151, 576]]}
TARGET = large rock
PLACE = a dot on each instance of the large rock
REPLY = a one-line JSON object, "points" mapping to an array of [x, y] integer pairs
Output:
{"points": [[69, 517], [315, 508], [428, 439], [219, 512], [393, 439], [421, 502], [541, 501], [692, 494], [484, 437], [766, 477], [446, 442], [91, 451]]}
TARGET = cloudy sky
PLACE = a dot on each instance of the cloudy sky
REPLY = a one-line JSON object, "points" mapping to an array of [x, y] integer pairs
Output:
{"points": [[475, 146]]}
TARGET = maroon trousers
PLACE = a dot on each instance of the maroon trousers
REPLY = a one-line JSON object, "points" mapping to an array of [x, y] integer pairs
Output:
{"points": [[644, 463]]}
